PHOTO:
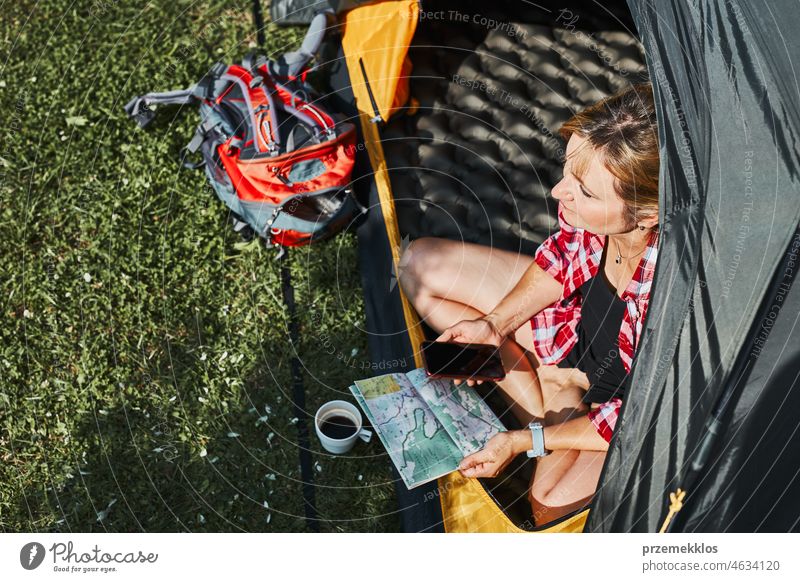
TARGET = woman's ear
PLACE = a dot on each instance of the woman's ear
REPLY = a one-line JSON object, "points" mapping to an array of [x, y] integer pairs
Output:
{"points": [[648, 222]]}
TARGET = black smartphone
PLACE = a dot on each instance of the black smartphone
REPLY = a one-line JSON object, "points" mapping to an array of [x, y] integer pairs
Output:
{"points": [[464, 361]]}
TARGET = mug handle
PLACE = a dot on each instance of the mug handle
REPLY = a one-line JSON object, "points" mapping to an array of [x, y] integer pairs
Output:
{"points": [[365, 435]]}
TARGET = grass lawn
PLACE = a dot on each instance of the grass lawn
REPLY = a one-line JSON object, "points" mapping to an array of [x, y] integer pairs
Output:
{"points": [[144, 355]]}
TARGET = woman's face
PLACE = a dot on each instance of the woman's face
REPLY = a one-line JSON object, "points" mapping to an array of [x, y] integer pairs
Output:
{"points": [[590, 202]]}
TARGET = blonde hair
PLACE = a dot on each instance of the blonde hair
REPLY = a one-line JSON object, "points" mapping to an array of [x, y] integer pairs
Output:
{"points": [[622, 128]]}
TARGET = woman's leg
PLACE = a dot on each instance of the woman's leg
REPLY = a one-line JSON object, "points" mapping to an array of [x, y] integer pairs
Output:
{"points": [[449, 281], [563, 482]]}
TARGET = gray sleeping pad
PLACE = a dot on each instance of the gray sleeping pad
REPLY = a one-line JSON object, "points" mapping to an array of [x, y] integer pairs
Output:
{"points": [[477, 161]]}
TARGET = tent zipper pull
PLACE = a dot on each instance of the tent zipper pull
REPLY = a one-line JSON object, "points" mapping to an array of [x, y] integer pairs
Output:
{"points": [[377, 118], [676, 504]]}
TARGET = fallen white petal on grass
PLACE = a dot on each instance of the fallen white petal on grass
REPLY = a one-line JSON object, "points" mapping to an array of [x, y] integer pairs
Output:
{"points": [[101, 515]]}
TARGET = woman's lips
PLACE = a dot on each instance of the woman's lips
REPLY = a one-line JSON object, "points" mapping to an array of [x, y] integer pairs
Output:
{"points": [[567, 210]]}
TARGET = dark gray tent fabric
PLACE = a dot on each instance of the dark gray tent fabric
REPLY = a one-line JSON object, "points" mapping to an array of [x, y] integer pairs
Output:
{"points": [[725, 80], [753, 481]]}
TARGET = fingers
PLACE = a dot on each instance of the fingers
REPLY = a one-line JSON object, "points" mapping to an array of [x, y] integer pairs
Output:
{"points": [[457, 381], [488, 469], [479, 470], [446, 335], [479, 464]]}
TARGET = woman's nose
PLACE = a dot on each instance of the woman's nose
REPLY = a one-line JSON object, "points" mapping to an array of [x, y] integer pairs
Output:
{"points": [[561, 191]]}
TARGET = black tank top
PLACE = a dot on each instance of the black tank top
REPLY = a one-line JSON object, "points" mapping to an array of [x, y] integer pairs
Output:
{"points": [[596, 351]]}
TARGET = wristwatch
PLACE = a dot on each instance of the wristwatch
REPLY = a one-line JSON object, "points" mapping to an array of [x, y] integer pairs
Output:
{"points": [[537, 432]]}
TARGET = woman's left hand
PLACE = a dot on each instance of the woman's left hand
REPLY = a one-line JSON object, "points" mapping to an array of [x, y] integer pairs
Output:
{"points": [[491, 460]]}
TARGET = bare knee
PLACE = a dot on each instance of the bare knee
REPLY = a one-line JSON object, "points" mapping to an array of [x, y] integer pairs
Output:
{"points": [[560, 496], [418, 264], [547, 486], [542, 507], [554, 504]]}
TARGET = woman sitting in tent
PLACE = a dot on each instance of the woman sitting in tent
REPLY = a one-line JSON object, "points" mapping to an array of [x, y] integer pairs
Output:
{"points": [[585, 293]]}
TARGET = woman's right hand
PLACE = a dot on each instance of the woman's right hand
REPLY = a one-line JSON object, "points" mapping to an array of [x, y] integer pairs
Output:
{"points": [[474, 331]]}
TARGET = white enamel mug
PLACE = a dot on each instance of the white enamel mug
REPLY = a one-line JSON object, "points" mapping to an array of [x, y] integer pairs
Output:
{"points": [[347, 410]]}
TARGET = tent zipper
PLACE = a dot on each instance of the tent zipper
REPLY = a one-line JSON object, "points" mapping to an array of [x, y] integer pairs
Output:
{"points": [[377, 118]]}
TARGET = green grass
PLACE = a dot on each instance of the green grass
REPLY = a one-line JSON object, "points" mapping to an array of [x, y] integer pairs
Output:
{"points": [[138, 338]]}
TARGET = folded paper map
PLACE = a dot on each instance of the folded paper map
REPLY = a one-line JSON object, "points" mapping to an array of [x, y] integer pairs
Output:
{"points": [[427, 425]]}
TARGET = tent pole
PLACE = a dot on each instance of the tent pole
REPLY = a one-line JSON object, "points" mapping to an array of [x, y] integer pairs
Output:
{"points": [[298, 391], [780, 285], [299, 398], [258, 20]]}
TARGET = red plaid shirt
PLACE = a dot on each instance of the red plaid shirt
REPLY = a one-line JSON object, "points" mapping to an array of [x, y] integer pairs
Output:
{"points": [[572, 256]]}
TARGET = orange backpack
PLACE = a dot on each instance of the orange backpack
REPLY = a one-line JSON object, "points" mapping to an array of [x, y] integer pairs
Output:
{"points": [[273, 154]]}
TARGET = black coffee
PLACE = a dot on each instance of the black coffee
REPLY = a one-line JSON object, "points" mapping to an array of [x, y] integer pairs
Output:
{"points": [[338, 427]]}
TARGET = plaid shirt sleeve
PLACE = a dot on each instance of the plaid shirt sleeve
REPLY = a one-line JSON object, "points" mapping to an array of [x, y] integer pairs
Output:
{"points": [[604, 417], [555, 253]]}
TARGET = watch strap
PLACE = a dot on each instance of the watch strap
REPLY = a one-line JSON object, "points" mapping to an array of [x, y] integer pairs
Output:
{"points": [[537, 433]]}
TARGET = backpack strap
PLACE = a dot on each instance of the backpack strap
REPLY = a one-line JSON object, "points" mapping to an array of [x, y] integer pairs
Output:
{"points": [[265, 112], [290, 64], [138, 106], [203, 89]]}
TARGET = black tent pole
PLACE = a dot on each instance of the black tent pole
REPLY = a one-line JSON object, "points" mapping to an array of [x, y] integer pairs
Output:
{"points": [[779, 287], [299, 397], [258, 20], [298, 392]]}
